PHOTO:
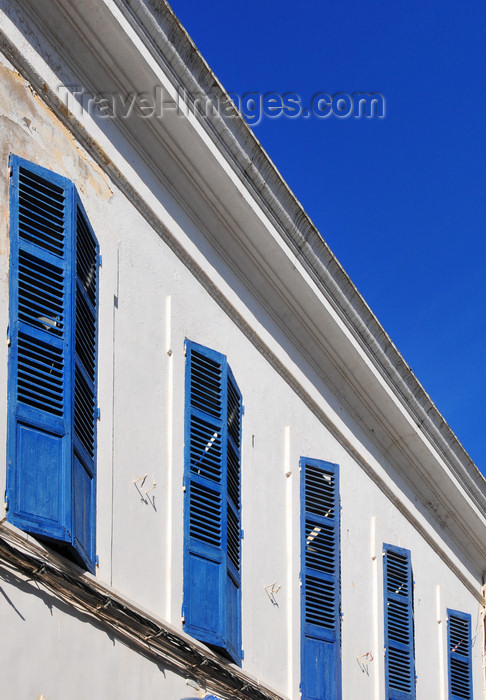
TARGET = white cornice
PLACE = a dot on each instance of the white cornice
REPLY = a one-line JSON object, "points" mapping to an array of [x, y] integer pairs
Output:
{"points": [[160, 27]]}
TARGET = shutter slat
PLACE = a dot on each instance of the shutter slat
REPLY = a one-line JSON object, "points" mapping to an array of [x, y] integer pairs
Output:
{"points": [[41, 292], [233, 477], [320, 492], [85, 334], [234, 413], [40, 186], [84, 412], [233, 538], [205, 517], [206, 449], [40, 375], [400, 674], [41, 212], [86, 257]]}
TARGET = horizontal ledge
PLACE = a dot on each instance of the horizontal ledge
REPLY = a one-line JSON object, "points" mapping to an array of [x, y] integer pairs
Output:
{"points": [[148, 635]]}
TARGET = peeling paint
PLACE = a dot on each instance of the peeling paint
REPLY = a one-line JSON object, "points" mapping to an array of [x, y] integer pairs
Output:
{"points": [[32, 130]]}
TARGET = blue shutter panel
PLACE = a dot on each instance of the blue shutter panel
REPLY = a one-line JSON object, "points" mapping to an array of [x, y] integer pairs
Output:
{"points": [[204, 577], [399, 632], [320, 579], [459, 647], [233, 520], [43, 482], [85, 284], [40, 339], [212, 508]]}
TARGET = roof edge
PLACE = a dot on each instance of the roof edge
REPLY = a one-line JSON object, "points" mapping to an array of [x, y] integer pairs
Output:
{"points": [[159, 26]]}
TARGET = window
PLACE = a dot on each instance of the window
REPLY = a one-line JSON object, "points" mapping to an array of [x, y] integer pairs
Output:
{"points": [[51, 448], [399, 644], [320, 579], [212, 510], [459, 650]]}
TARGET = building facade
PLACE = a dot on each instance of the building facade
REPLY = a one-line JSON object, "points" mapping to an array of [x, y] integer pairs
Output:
{"points": [[222, 480]]}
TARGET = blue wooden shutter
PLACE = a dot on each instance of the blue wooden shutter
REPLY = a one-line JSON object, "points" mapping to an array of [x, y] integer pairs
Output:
{"points": [[41, 329], [320, 580], [42, 476], [212, 510], [233, 519], [399, 631], [459, 651], [85, 284]]}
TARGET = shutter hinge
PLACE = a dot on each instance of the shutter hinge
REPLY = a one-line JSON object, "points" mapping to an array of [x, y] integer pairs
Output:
{"points": [[242, 534], [242, 654], [98, 413], [183, 620], [100, 260], [97, 560], [242, 410]]}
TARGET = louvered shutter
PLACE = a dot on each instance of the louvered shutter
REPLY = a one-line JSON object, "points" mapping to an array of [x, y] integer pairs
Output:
{"points": [[85, 284], [320, 581], [233, 520], [43, 476], [40, 344], [399, 632], [211, 606], [460, 660]]}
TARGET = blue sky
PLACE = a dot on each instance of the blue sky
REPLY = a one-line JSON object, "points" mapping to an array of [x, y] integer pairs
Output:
{"points": [[401, 200]]}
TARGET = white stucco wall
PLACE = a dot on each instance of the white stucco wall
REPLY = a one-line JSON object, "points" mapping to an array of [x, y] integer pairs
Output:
{"points": [[150, 301]]}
